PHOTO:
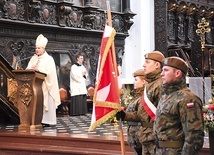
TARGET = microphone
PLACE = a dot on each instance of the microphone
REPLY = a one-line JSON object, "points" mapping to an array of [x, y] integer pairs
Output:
{"points": [[16, 66]]}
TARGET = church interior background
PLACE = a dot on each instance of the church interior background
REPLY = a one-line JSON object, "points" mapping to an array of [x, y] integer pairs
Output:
{"points": [[74, 26]]}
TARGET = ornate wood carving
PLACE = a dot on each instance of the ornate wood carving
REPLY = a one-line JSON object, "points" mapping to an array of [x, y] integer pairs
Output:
{"points": [[12, 91], [42, 13], [26, 94], [30, 98], [13, 9], [191, 12], [8, 109], [182, 25], [75, 18], [172, 24], [69, 28], [160, 26], [118, 23], [210, 17], [182, 18]]}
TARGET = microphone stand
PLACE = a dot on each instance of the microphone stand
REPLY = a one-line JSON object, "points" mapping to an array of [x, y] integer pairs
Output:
{"points": [[18, 67]]}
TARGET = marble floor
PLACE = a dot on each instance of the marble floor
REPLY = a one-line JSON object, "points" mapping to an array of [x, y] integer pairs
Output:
{"points": [[75, 125], [79, 125]]}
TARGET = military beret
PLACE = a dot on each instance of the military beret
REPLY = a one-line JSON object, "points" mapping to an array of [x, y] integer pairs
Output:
{"points": [[155, 55], [176, 62], [140, 73]]}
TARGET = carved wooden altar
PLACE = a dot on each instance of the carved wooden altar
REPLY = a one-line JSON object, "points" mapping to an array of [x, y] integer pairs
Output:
{"points": [[29, 98]]}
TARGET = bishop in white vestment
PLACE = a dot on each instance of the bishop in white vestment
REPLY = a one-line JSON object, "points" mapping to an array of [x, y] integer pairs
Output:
{"points": [[44, 63]]}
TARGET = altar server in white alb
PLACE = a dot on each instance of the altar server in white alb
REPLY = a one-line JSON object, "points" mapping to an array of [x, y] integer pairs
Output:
{"points": [[44, 63], [78, 76]]}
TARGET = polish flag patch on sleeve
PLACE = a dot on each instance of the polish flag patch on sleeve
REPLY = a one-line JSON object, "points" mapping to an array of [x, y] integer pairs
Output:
{"points": [[190, 105]]}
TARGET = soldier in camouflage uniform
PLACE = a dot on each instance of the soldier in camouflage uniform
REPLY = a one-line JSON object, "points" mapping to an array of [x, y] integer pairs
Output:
{"points": [[178, 127], [152, 68], [134, 127]]}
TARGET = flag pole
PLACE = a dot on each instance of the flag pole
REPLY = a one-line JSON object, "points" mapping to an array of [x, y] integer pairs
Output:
{"points": [[110, 24], [115, 68]]}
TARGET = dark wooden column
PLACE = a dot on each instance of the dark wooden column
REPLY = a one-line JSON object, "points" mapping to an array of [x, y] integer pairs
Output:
{"points": [[126, 6], [88, 2], [161, 26]]}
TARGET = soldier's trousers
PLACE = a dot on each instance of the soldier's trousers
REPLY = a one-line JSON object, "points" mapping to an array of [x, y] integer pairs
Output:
{"points": [[138, 151]]}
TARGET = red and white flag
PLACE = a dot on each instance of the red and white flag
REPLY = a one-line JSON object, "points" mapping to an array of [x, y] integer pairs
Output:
{"points": [[106, 101], [148, 105]]}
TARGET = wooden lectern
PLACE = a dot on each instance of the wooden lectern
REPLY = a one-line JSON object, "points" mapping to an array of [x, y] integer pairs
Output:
{"points": [[30, 98]]}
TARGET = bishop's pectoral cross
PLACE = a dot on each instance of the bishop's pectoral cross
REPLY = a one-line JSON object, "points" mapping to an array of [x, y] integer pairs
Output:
{"points": [[37, 63]]}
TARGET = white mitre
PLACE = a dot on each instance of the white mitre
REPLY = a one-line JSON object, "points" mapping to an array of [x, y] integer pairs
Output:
{"points": [[41, 41]]}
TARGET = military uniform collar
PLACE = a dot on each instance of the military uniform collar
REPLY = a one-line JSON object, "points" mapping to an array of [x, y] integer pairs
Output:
{"points": [[174, 86]]}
